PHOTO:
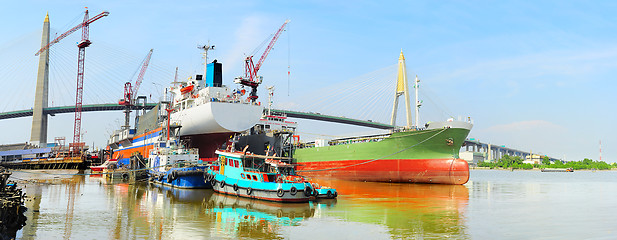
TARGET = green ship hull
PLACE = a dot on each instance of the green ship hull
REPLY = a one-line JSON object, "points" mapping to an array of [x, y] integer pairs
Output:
{"points": [[422, 156]]}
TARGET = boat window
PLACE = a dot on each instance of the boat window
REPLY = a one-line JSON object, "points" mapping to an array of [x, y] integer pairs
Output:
{"points": [[271, 178], [254, 177], [236, 163]]}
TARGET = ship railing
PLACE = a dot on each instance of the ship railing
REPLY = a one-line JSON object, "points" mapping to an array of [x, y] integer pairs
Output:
{"points": [[207, 99], [356, 140], [178, 151], [343, 141]]}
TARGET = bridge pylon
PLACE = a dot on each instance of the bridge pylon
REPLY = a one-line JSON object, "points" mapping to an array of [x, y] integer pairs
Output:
{"points": [[38, 134], [401, 89]]}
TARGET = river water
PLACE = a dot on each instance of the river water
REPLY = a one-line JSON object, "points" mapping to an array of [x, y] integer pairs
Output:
{"points": [[493, 205]]}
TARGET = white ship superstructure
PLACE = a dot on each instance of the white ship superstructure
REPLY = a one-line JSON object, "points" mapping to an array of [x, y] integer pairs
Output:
{"points": [[212, 109]]}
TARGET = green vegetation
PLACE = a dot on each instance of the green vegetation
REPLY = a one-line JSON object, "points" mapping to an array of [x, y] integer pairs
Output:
{"points": [[509, 162]]}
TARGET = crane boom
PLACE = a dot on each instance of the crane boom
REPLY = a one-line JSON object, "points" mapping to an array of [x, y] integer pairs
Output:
{"points": [[72, 30], [142, 72], [250, 69], [267, 51]]}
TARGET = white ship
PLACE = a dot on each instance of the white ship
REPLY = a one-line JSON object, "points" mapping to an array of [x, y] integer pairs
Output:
{"points": [[206, 112]]}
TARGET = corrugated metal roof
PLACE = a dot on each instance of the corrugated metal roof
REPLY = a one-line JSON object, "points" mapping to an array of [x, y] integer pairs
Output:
{"points": [[25, 151]]}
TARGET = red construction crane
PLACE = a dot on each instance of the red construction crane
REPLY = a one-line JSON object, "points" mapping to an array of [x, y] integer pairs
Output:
{"points": [[250, 70], [82, 45], [130, 94]]}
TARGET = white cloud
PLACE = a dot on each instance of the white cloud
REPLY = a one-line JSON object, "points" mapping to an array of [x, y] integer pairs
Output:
{"points": [[249, 35]]}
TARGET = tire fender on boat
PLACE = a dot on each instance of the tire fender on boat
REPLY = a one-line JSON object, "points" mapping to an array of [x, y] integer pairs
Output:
{"points": [[169, 180], [235, 187], [329, 194], [249, 191], [160, 177], [125, 176], [293, 191], [307, 191], [222, 184], [280, 192], [174, 175]]}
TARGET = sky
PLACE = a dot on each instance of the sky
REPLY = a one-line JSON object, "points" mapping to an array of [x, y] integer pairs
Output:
{"points": [[533, 75]]}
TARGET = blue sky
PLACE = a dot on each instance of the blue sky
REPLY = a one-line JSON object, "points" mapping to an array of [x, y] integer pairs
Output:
{"points": [[534, 75]]}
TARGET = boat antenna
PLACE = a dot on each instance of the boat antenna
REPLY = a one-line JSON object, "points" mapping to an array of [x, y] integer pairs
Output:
{"points": [[270, 94], [418, 103], [288, 60]]}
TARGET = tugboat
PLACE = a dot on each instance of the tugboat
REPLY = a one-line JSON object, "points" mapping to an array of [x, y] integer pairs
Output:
{"points": [[259, 164], [171, 163], [102, 167], [258, 176], [177, 166]]}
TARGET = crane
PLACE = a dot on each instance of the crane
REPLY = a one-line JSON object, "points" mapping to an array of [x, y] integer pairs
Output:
{"points": [[82, 45], [250, 77], [130, 94]]}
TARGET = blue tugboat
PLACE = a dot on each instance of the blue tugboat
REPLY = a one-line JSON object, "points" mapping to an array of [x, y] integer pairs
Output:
{"points": [[177, 166], [258, 164], [258, 176]]}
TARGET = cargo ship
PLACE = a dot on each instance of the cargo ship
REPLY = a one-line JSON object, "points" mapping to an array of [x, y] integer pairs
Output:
{"points": [[414, 154], [205, 113], [420, 156]]}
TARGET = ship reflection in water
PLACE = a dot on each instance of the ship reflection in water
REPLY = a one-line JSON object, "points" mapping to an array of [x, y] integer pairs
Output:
{"points": [[92, 207], [403, 210], [241, 217]]}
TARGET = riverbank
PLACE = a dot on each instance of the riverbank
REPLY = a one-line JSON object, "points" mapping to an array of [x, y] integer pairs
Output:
{"points": [[12, 208], [537, 169]]}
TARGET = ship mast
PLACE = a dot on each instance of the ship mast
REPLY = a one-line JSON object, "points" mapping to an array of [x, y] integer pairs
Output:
{"points": [[206, 48], [418, 103], [270, 95]]}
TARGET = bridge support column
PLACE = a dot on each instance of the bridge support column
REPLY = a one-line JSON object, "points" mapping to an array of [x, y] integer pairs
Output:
{"points": [[38, 134]]}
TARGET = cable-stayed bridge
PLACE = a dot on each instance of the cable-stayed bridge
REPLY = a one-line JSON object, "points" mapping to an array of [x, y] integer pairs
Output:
{"points": [[148, 106], [364, 101]]}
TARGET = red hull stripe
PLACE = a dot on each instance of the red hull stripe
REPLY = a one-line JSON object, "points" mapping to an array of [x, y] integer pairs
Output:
{"points": [[445, 171]]}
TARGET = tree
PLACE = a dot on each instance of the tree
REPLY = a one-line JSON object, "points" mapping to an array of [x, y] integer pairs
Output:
{"points": [[546, 161]]}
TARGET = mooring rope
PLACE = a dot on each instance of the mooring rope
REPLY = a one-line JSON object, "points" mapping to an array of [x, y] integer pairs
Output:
{"points": [[373, 160]]}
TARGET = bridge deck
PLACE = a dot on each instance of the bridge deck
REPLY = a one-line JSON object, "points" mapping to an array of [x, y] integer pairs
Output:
{"points": [[115, 107]]}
